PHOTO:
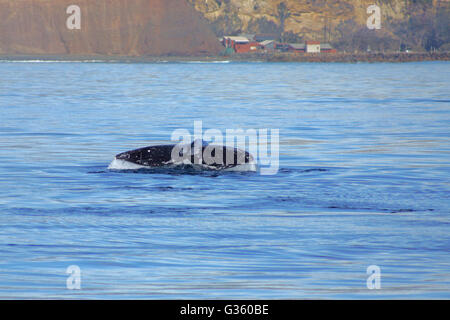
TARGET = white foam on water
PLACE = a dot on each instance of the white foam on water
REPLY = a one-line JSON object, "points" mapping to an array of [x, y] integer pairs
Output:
{"points": [[55, 61], [118, 164]]}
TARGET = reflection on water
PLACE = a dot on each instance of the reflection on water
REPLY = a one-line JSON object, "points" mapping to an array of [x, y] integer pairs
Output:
{"points": [[363, 180]]}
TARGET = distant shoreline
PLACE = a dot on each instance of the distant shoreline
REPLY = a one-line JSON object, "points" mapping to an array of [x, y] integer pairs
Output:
{"points": [[273, 57]]}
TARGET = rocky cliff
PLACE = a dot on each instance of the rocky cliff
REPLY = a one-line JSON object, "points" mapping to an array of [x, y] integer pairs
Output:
{"points": [[104, 27], [420, 24]]}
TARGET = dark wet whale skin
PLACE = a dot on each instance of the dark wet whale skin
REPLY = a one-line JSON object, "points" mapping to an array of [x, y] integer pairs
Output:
{"points": [[161, 155]]}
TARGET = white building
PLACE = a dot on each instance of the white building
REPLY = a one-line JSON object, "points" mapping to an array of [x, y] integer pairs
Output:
{"points": [[313, 46]]}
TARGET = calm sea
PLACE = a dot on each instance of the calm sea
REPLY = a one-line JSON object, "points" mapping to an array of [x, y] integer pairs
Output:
{"points": [[364, 180]]}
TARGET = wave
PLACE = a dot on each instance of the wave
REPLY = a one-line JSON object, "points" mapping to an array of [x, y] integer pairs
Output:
{"points": [[122, 165], [118, 164], [218, 61], [104, 61], [56, 61]]}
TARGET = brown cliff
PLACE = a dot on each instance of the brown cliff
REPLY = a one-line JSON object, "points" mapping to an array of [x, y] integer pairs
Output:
{"points": [[108, 27], [416, 24]]}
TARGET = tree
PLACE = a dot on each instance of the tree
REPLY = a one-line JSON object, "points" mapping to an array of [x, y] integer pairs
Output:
{"points": [[283, 14]]}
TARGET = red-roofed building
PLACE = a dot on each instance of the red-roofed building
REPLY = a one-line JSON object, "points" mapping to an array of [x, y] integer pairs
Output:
{"points": [[240, 44]]}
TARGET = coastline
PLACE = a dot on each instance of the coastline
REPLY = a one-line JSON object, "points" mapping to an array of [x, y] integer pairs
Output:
{"points": [[259, 57]]}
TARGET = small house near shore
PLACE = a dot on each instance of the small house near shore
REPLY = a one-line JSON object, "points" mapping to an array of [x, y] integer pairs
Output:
{"points": [[242, 44], [296, 47], [326, 47], [307, 47], [313, 46], [268, 45]]}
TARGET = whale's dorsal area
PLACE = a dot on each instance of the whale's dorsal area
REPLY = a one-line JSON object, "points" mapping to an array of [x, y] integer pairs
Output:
{"points": [[198, 153], [199, 142]]}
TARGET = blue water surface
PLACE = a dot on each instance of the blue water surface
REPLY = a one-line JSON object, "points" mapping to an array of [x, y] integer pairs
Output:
{"points": [[364, 179]]}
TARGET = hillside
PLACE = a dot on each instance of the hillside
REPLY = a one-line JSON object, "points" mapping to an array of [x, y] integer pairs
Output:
{"points": [[108, 27], [416, 24]]}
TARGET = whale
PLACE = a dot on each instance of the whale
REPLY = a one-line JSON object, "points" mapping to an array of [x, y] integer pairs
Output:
{"points": [[199, 154]]}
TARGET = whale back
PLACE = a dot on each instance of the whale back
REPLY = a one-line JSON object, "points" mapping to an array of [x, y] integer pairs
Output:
{"points": [[212, 155]]}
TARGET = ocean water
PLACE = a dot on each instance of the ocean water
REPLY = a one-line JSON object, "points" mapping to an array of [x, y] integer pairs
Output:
{"points": [[363, 180]]}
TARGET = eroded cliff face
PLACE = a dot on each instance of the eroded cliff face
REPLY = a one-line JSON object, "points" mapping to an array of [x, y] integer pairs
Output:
{"points": [[108, 27], [307, 17], [336, 21]]}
